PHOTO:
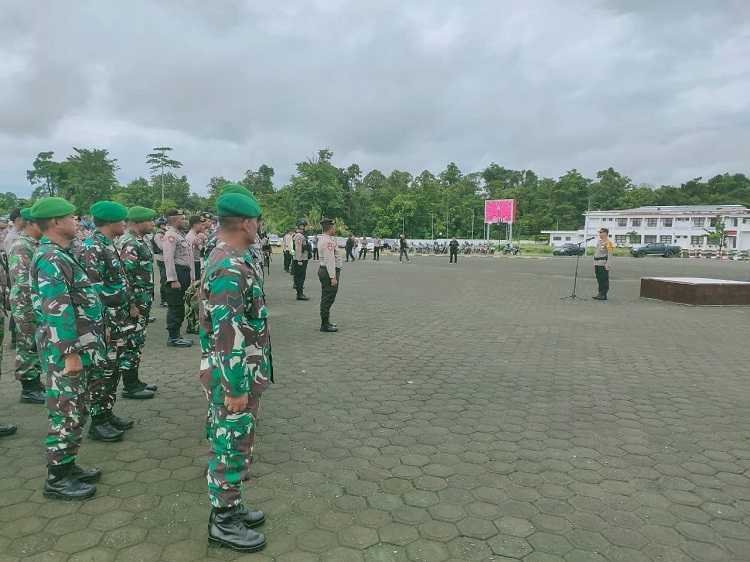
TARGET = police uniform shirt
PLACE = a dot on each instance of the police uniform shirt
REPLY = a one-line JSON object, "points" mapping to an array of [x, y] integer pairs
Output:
{"points": [[177, 251], [300, 250], [328, 251]]}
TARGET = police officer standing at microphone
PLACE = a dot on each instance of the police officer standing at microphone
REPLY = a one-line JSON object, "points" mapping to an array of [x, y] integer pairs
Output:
{"points": [[301, 249], [329, 273]]}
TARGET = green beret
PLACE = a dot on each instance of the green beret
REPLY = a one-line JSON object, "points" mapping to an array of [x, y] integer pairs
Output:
{"points": [[237, 205], [140, 214], [26, 214], [52, 208], [235, 188], [109, 211]]}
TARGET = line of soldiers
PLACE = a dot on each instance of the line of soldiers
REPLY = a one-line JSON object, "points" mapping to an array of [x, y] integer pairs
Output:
{"points": [[81, 311]]}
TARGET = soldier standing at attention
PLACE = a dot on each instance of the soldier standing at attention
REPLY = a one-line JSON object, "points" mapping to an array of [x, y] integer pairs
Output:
{"points": [[158, 248], [70, 335], [602, 263], [5, 429], [376, 249], [301, 256], [178, 262], [286, 247], [235, 370], [104, 267], [28, 370], [138, 263], [329, 273], [453, 247]]}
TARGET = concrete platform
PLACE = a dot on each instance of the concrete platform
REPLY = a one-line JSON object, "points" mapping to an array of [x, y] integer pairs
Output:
{"points": [[696, 290]]}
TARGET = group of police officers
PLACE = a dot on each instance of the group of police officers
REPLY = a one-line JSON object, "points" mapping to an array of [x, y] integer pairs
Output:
{"points": [[81, 308]]}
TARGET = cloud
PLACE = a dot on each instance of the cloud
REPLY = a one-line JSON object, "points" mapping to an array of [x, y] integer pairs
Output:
{"points": [[654, 89]]}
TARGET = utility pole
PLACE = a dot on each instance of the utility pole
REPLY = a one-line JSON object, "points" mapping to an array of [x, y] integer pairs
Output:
{"points": [[472, 224], [432, 224]]}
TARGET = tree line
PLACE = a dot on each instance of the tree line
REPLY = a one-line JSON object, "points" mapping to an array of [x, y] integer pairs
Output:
{"points": [[443, 204]]}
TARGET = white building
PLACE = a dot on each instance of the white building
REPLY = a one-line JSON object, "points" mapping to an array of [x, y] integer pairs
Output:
{"points": [[681, 225]]}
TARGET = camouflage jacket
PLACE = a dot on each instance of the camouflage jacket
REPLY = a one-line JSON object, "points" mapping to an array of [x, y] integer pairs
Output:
{"points": [[3, 286], [235, 340], [208, 247], [67, 307], [138, 262], [19, 265], [104, 268]]}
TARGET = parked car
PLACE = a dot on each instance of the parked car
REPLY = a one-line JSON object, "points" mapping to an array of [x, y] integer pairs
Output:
{"points": [[569, 249], [665, 250], [274, 239]]}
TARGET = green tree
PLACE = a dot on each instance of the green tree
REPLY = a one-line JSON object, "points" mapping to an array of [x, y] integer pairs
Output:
{"points": [[46, 175], [717, 234], [159, 161], [260, 180], [89, 177]]}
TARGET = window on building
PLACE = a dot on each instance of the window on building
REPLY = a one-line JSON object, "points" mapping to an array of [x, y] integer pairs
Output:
{"points": [[622, 222], [732, 221], [745, 221], [665, 239], [682, 219], [712, 221], [666, 222], [699, 221], [650, 238], [567, 238], [557, 238], [621, 239], [635, 238], [635, 222], [696, 240], [651, 222]]}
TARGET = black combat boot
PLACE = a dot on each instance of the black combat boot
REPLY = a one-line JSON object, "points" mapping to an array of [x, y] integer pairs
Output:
{"points": [[102, 430], [7, 430], [117, 422], [62, 485], [251, 517], [147, 386], [88, 475], [132, 388], [600, 297], [302, 297], [227, 528], [328, 328], [31, 393]]}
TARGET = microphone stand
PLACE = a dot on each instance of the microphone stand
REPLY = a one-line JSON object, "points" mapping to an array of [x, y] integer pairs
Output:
{"points": [[572, 295]]}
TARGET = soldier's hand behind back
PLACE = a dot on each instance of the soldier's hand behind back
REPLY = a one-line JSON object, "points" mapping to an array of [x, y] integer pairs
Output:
{"points": [[175, 284], [236, 405], [73, 365]]}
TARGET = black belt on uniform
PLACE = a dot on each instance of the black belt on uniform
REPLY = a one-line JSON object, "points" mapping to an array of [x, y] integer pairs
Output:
{"points": [[601, 259]]}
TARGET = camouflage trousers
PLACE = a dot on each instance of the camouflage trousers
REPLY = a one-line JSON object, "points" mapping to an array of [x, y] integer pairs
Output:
{"points": [[2, 339], [103, 384], [129, 359], [67, 413], [231, 437], [191, 309], [28, 368]]}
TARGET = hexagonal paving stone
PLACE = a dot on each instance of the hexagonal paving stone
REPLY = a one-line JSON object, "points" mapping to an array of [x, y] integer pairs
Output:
{"points": [[515, 526], [426, 551], [358, 537], [477, 528], [398, 534], [511, 547]]}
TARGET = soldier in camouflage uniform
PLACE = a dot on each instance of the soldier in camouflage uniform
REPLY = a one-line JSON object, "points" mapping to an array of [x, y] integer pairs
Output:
{"points": [[5, 429], [138, 262], [70, 338], [235, 369], [104, 267], [28, 370]]}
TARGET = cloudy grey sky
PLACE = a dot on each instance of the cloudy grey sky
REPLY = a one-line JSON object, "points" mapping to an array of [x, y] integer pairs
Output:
{"points": [[658, 89]]}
